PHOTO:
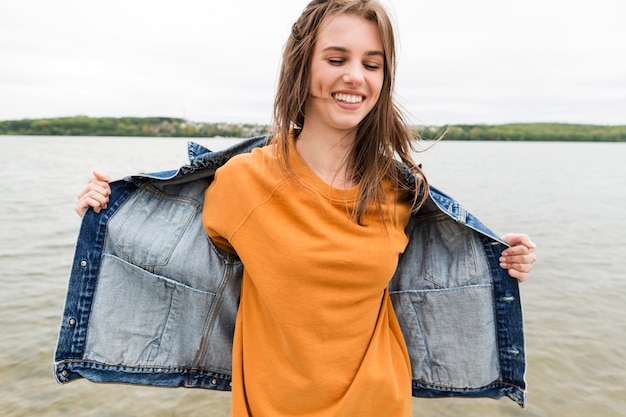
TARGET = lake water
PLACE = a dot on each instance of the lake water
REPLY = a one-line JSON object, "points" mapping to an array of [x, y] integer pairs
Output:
{"points": [[570, 197]]}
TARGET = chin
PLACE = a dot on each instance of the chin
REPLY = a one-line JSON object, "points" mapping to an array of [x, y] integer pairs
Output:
{"points": [[347, 123]]}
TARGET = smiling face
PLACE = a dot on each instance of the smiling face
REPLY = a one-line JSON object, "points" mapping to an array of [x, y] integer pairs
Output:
{"points": [[346, 73]]}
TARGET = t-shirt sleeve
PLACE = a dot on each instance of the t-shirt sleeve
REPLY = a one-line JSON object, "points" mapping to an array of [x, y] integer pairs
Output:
{"points": [[225, 205]]}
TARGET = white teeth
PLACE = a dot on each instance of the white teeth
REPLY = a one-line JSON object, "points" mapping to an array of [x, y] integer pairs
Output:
{"points": [[348, 98]]}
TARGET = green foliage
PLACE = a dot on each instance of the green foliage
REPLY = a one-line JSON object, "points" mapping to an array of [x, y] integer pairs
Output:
{"points": [[529, 132], [175, 127], [126, 126]]}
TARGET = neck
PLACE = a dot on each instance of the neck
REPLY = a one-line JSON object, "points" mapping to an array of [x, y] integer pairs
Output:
{"points": [[327, 153]]}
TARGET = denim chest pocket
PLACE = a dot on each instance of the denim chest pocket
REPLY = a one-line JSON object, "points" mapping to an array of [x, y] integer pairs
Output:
{"points": [[451, 257], [151, 227]]}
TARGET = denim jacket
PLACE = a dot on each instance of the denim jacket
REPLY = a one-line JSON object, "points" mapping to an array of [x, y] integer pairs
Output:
{"points": [[151, 301]]}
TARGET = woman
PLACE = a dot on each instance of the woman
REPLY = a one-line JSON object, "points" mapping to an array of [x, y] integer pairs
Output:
{"points": [[318, 219]]}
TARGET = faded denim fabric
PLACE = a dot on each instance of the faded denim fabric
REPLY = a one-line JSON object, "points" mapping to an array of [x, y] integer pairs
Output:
{"points": [[151, 301], [460, 313]]}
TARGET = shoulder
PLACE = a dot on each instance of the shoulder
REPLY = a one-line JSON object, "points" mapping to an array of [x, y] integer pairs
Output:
{"points": [[250, 174], [258, 161]]}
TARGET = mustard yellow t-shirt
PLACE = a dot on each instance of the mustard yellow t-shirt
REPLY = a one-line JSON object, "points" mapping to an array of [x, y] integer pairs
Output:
{"points": [[316, 334]]}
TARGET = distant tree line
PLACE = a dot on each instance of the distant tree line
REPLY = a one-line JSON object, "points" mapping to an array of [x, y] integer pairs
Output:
{"points": [[126, 126], [176, 127], [528, 132]]}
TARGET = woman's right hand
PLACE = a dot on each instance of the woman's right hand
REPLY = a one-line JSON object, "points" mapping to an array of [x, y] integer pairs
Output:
{"points": [[95, 195]]}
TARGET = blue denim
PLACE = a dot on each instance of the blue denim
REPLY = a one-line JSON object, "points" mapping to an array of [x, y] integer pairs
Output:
{"points": [[151, 301]]}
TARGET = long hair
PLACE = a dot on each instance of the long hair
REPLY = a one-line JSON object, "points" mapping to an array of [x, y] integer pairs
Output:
{"points": [[383, 139]]}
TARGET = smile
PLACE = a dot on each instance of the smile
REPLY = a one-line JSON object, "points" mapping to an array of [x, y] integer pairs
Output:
{"points": [[348, 98]]}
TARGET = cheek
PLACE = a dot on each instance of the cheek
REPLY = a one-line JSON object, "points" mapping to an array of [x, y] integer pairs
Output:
{"points": [[316, 84], [376, 84]]}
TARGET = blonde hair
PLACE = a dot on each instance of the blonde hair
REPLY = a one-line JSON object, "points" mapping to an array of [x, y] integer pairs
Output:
{"points": [[382, 136]]}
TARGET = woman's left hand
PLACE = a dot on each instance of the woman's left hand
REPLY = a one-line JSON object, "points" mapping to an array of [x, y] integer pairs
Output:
{"points": [[519, 258]]}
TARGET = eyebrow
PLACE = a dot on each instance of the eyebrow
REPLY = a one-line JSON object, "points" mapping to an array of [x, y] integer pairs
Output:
{"points": [[346, 50]]}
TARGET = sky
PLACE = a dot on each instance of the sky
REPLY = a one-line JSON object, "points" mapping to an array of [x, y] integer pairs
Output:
{"points": [[460, 62]]}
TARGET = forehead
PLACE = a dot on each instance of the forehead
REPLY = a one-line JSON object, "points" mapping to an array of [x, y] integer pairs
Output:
{"points": [[349, 31]]}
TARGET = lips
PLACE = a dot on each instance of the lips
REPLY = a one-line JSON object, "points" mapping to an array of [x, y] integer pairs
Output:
{"points": [[348, 98]]}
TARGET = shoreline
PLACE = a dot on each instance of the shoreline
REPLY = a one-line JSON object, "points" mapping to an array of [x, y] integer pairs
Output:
{"points": [[177, 127]]}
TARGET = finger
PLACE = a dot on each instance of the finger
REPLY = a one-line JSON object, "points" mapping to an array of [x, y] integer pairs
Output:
{"points": [[95, 201], [96, 198], [521, 267], [101, 176], [519, 275], [82, 205], [517, 250], [98, 182], [99, 187], [521, 272], [515, 239], [98, 179], [527, 259], [80, 208]]}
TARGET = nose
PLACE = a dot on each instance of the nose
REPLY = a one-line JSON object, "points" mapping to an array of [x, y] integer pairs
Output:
{"points": [[354, 75]]}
